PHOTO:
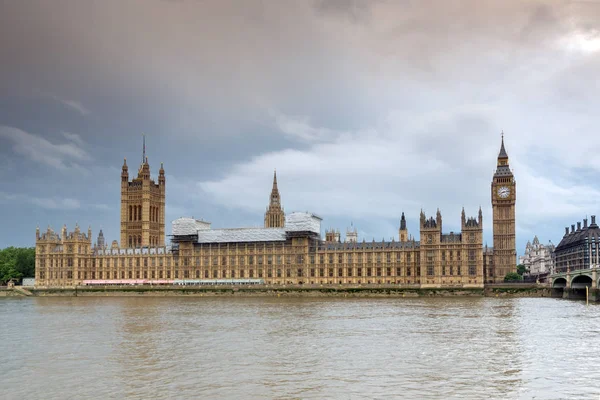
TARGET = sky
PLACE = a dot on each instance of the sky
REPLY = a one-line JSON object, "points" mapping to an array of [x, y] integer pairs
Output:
{"points": [[366, 109]]}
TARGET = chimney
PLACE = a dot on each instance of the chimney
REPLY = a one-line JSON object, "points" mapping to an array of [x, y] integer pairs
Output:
{"points": [[585, 223], [572, 228], [566, 230], [578, 226], [593, 220]]}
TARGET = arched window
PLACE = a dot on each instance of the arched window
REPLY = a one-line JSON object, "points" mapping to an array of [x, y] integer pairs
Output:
{"points": [[130, 214], [130, 239], [139, 213], [139, 241]]}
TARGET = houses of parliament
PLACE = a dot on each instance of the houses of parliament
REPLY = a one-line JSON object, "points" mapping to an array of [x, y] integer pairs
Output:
{"points": [[288, 250]]}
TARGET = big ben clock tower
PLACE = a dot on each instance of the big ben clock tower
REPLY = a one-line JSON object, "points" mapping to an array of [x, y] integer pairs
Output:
{"points": [[504, 196]]}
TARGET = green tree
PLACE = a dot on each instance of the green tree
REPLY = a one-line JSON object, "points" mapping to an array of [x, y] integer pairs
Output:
{"points": [[521, 269], [16, 263], [513, 277]]}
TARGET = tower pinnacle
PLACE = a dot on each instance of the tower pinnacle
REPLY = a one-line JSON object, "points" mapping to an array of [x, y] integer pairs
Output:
{"points": [[274, 217], [144, 149]]}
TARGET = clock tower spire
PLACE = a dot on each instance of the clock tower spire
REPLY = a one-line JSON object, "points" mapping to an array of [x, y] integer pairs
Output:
{"points": [[504, 196]]}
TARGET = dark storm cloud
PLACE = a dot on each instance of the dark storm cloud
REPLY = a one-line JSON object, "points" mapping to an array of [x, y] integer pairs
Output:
{"points": [[367, 108]]}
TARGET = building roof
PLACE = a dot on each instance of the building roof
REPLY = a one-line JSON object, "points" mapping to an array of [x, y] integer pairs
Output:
{"points": [[578, 236], [294, 222], [238, 235]]}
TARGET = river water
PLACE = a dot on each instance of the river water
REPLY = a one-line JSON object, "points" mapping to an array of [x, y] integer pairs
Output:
{"points": [[298, 348]]}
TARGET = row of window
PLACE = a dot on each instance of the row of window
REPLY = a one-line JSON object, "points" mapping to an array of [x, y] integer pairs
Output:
{"points": [[260, 273]]}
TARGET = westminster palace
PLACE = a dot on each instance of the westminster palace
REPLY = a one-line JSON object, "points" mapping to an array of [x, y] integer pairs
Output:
{"points": [[288, 250]]}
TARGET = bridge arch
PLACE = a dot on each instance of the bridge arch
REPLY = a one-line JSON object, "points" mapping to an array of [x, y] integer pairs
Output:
{"points": [[559, 283], [581, 281]]}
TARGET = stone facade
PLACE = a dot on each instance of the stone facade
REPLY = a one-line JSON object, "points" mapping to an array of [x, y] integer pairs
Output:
{"points": [[579, 247], [538, 258], [288, 250], [504, 197], [142, 207]]}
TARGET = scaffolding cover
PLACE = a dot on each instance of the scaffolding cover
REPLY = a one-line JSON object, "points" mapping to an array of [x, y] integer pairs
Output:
{"points": [[294, 222], [300, 221], [188, 226]]}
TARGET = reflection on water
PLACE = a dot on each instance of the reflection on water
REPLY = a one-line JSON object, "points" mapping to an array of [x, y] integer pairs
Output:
{"points": [[256, 348]]}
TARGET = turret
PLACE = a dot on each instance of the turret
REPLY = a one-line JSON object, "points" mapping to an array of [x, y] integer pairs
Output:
{"points": [[63, 232], [438, 219], [161, 175], [403, 232], [124, 172], [100, 242], [37, 233], [351, 234], [479, 217]]}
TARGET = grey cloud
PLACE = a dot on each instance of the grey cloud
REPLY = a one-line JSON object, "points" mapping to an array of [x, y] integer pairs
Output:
{"points": [[50, 203], [74, 105], [38, 149], [380, 106]]}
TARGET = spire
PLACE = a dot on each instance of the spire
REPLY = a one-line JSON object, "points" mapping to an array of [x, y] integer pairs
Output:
{"points": [[144, 149], [274, 217], [403, 221], [275, 190], [503, 153]]}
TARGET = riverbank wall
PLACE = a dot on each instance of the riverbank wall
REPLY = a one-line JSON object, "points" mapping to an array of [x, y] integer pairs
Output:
{"points": [[508, 290]]}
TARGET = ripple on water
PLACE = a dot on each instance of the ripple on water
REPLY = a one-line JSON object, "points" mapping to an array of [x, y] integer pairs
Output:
{"points": [[258, 348]]}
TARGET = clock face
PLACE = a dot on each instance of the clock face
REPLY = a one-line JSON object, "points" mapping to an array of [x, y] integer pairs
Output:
{"points": [[503, 192]]}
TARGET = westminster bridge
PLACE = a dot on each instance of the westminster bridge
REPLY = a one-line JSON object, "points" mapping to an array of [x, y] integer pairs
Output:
{"points": [[573, 284]]}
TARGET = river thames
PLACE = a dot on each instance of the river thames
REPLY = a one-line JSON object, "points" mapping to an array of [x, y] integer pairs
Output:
{"points": [[299, 348]]}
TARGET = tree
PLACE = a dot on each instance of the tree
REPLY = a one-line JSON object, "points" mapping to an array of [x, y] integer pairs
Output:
{"points": [[521, 269], [513, 277], [16, 263]]}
